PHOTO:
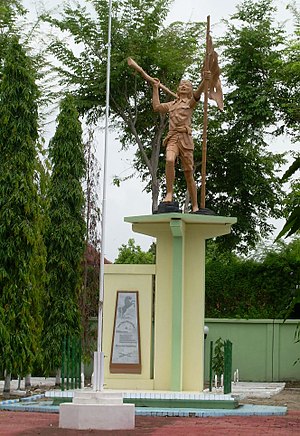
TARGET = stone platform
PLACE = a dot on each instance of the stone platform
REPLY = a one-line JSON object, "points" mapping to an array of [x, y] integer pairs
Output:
{"points": [[97, 411]]}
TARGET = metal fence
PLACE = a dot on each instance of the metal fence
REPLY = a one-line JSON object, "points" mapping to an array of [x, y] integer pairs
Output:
{"points": [[71, 363]]}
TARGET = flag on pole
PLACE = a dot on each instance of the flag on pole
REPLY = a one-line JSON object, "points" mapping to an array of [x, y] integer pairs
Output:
{"points": [[212, 90], [215, 88]]}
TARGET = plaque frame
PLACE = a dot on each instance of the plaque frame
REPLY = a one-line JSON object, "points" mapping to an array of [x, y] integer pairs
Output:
{"points": [[122, 367]]}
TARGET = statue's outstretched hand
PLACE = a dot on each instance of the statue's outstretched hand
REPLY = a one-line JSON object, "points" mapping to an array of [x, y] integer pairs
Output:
{"points": [[156, 83]]}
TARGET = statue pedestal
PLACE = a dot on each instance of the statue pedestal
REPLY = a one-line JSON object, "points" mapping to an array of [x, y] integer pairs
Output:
{"points": [[91, 410], [180, 294]]}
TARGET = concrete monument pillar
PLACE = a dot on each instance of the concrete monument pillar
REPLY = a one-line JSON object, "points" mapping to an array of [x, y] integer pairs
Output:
{"points": [[180, 294]]}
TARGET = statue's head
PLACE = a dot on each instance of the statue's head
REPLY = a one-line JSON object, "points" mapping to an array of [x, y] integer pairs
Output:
{"points": [[185, 88]]}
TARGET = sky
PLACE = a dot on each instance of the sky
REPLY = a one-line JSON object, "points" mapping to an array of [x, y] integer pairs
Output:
{"points": [[130, 199]]}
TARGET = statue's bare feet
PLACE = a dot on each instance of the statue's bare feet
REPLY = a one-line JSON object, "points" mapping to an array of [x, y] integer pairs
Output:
{"points": [[168, 198]]}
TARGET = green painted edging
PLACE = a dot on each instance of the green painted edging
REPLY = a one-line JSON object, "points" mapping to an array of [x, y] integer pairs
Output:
{"points": [[182, 404], [57, 401], [177, 267]]}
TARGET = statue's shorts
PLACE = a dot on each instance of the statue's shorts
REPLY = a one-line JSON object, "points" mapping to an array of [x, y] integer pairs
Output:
{"points": [[186, 155]]}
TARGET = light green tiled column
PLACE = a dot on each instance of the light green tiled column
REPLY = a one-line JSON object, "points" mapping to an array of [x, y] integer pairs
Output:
{"points": [[177, 229]]}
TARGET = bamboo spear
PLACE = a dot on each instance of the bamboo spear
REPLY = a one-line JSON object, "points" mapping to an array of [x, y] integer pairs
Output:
{"points": [[148, 78], [205, 121]]}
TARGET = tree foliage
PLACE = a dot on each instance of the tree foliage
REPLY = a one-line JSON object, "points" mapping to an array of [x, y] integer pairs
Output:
{"points": [[242, 172], [263, 286], [138, 32], [289, 93], [10, 12], [242, 177], [291, 109], [89, 295], [218, 358], [65, 234], [292, 205], [132, 253], [22, 255]]}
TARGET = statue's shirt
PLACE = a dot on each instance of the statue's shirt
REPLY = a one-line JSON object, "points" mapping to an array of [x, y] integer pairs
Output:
{"points": [[180, 120]]}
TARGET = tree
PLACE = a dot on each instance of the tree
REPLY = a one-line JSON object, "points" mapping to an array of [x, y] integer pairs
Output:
{"points": [[242, 172], [137, 31], [89, 295], [22, 255], [289, 92], [10, 11], [131, 253], [242, 179], [65, 234], [290, 97], [292, 203], [218, 359]]}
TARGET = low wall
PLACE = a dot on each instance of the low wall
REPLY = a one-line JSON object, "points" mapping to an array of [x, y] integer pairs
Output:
{"points": [[263, 349]]}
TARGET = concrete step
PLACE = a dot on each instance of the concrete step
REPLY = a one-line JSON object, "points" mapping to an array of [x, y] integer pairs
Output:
{"points": [[106, 401], [93, 397]]}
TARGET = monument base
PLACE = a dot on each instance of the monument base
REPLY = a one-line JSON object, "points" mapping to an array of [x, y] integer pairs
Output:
{"points": [[204, 211], [178, 355], [97, 410], [168, 207]]}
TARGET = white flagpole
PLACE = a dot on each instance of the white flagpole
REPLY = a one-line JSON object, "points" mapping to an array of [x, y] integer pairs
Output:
{"points": [[99, 355]]}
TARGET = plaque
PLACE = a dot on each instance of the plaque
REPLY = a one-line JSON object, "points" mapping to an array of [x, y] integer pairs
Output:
{"points": [[125, 351]]}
